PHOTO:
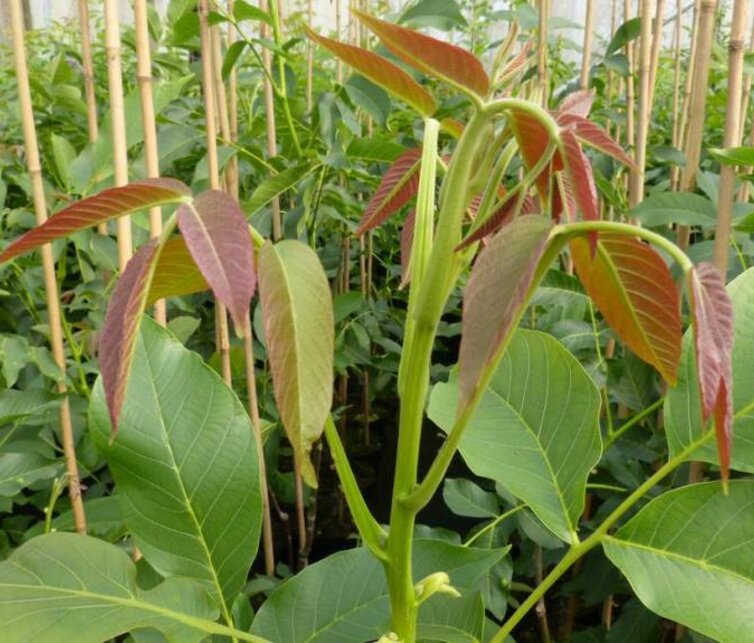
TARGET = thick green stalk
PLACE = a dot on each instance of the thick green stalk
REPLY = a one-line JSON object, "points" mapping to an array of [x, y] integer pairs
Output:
{"points": [[442, 270], [580, 549]]}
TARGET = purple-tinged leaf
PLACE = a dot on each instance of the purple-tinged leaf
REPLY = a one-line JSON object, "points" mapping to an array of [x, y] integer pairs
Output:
{"points": [[496, 296], [497, 220], [382, 72], [176, 273], [217, 236], [712, 313], [516, 64], [634, 290], [452, 126], [108, 204], [533, 140], [121, 326], [430, 55], [398, 186], [580, 174], [579, 103], [593, 135], [299, 329]]}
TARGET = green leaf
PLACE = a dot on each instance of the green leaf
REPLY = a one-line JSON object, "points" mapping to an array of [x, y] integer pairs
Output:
{"points": [[623, 35], [437, 14], [19, 470], [66, 587], [465, 498], [16, 405], [535, 430], [185, 466], [176, 273], [275, 186], [375, 150], [344, 597], [684, 208], [452, 619], [244, 11], [104, 519], [63, 153], [734, 155], [688, 557], [299, 331], [683, 405]]}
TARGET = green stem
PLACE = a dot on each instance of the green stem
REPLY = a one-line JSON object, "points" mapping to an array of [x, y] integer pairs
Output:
{"points": [[615, 435], [582, 548], [493, 524], [371, 532], [442, 271]]}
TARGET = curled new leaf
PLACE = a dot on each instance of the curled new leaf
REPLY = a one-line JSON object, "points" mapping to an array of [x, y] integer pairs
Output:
{"points": [[581, 179], [217, 236], [398, 186], [430, 55], [381, 72], [298, 324], [578, 103], [108, 204], [633, 289], [594, 136], [496, 295], [499, 218], [712, 312], [121, 326]]}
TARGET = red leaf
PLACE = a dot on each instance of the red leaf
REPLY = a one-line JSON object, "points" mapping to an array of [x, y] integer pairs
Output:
{"points": [[516, 64], [581, 177], [712, 313], [496, 296], [452, 126], [382, 72], [398, 186], [578, 103], [497, 220], [217, 236], [634, 290], [108, 204], [533, 140], [434, 57], [593, 135], [176, 274], [407, 240], [121, 326]]}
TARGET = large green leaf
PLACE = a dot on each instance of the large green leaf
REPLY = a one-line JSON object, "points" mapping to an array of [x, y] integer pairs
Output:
{"points": [[185, 465], [65, 587], [683, 405], [344, 597], [300, 335], [535, 429], [19, 470], [689, 557], [683, 208], [276, 185]]}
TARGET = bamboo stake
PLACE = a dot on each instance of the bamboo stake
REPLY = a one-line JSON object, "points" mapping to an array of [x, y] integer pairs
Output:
{"points": [[689, 79], [221, 317], [542, 10], [676, 135], [234, 186], [120, 151], [636, 180], [338, 26], [697, 102], [309, 59], [743, 192], [88, 67], [269, 106], [657, 32], [144, 75], [230, 175], [630, 100], [586, 56], [48, 265], [731, 137]]}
